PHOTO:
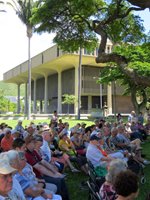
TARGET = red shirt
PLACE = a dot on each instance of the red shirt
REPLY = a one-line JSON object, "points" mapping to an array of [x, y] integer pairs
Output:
{"points": [[6, 143], [33, 158]]}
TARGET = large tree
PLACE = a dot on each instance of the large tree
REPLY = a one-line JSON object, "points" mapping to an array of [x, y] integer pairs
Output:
{"points": [[110, 19], [140, 3], [138, 57]]}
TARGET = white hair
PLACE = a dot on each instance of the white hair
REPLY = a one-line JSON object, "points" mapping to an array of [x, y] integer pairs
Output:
{"points": [[115, 167]]}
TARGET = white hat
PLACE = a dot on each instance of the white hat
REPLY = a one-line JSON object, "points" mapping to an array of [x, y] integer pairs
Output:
{"points": [[45, 127], [5, 167]]}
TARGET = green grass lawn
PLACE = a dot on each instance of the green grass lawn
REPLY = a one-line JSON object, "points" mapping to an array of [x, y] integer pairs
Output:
{"points": [[71, 122], [74, 180]]}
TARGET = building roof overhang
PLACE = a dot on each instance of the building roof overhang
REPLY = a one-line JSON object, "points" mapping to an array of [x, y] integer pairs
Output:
{"points": [[47, 63]]}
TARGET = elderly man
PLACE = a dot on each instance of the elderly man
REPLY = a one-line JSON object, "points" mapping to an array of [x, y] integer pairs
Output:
{"points": [[43, 169], [47, 153], [6, 181], [19, 145], [94, 153], [32, 188]]}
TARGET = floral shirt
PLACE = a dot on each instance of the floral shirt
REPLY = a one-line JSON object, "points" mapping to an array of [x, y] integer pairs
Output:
{"points": [[107, 192]]}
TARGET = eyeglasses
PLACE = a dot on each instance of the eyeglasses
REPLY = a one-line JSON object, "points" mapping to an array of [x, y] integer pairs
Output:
{"points": [[6, 176]]}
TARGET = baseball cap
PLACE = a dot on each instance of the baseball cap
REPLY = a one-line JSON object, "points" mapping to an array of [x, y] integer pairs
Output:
{"points": [[95, 137]]}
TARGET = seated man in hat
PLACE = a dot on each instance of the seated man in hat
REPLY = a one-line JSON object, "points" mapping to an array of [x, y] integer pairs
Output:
{"points": [[6, 181], [96, 156]]}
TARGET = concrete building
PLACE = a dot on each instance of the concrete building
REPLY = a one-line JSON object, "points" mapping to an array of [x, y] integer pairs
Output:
{"points": [[55, 73]]}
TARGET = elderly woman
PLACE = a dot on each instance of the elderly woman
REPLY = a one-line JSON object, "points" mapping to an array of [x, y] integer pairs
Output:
{"points": [[107, 189], [66, 146]]}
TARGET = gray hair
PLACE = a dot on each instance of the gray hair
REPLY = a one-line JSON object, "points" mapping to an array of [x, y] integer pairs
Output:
{"points": [[114, 129], [115, 167]]}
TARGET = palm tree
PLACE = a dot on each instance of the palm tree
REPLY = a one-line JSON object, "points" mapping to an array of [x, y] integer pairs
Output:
{"points": [[23, 9]]}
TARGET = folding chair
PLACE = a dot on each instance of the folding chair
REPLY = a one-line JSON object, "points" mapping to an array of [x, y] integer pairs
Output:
{"points": [[98, 181], [93, 194]]}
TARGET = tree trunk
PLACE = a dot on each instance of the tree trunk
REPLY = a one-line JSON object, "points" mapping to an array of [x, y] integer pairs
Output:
{"points": [[140, 3]]}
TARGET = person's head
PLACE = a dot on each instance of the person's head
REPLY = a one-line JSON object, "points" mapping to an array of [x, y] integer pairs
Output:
{"points": [[133, 113], [19, 122], [114, 168], [30, 129], [47, 136], [7, 132], [19, 144], [114, 131], [15, 134], [30, 142], [96, 140], [78, 125], [83, 125], [120, 128], [66, 125], [126, 185], [60, 121], [6, 172], [96, 121], [12, 157], [38, 141], [128, 124], [93, 127], [55, 112], [63, 136]]}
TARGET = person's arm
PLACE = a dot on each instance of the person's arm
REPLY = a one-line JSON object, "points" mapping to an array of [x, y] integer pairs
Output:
{"points": [[49, 166], [42, 169], [108, 159], [33, 191], [63, 147]]}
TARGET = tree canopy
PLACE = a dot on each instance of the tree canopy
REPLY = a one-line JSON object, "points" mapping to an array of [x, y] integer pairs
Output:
{"points": [[78, 22]]}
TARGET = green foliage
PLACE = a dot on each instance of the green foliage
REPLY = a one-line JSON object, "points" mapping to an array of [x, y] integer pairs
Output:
{"points": [[5, 104], [72, 21], [24, 10], [69, 99], [10, 89], [138, 59]]}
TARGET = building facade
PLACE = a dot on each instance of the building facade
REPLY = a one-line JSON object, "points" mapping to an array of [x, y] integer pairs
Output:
{"points": [[55, 73]]}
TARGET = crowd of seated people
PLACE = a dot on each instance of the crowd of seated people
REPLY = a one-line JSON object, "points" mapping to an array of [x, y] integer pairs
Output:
{"points": [[45, 151]]}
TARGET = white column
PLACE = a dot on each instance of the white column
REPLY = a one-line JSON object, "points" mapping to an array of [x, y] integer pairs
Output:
{"points": [[45, 94], [18, 99], [59, 100], [25, 100], [34, 97], [109, 98], [89, 103], [76, 90]]}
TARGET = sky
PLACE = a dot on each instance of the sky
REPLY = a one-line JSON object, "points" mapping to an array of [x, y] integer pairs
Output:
{"points": [[14, 42]]}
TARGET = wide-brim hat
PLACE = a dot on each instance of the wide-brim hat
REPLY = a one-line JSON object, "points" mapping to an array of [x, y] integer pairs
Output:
{"points": [[5, 167]]}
